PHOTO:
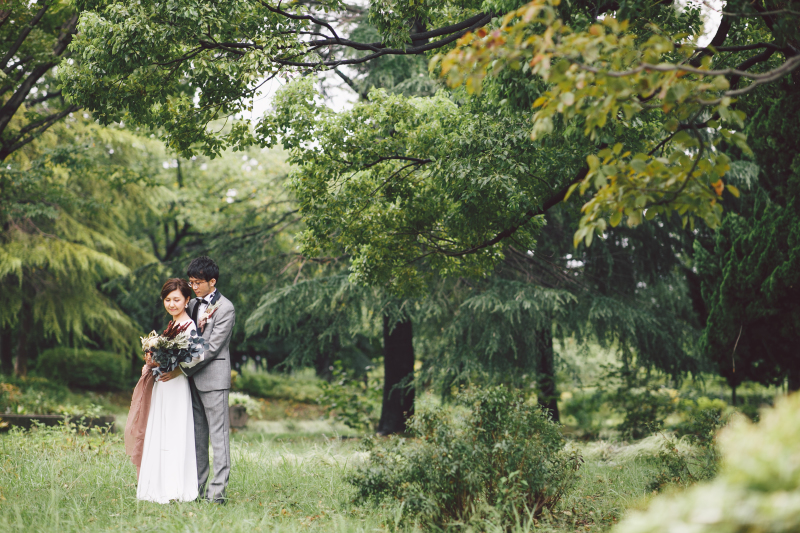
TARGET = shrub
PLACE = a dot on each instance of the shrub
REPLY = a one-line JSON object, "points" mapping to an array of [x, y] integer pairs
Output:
{"points": [[37, 395], [300, 387], [356, 402], [645, 410], [757, 488], [584, 407], [88, 369], [503, 457], [250, 404]]}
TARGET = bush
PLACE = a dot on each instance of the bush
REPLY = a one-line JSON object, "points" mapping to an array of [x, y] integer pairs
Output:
{"points": [[37, 395], [88, 369], [300, 387], [584, 407], [249, 403], [644, 408], [503, 458], [354, 401], [757, 489]]}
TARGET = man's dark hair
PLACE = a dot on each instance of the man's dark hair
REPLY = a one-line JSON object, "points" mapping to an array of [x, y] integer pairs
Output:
{"points": [[203, 268]]}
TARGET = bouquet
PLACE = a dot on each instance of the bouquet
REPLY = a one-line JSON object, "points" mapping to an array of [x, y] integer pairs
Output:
{"points": [[178, 344]]}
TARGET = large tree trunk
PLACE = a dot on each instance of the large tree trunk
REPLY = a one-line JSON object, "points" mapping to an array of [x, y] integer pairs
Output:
{"points": [[23, 342], [548, 394], [398, 383], [6, 357]]}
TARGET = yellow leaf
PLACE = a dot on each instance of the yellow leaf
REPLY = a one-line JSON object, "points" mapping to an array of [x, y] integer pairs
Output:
{"points": [[570, 190], [615, 219], [733, 190]]}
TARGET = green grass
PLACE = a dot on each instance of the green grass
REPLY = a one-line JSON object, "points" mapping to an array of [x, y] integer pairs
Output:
{"points": [[286, 476]]}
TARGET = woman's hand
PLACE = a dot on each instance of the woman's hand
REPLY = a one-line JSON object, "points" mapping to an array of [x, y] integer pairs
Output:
{"points": [[170, 375]]}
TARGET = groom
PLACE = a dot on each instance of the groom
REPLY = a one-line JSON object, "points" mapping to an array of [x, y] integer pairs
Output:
{"points": [[210, 380]]}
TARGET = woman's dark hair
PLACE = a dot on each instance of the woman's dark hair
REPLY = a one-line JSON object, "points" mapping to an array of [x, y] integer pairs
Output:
{"points": [[203, 268], [176, 284]]}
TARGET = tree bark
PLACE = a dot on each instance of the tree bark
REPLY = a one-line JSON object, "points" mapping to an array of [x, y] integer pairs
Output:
{"points": [[6, 357], [398, 384], [793, 380], [23, 344], [548, 393]]}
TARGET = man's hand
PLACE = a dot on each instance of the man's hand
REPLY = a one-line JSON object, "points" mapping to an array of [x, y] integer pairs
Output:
{"points": [[170, 375]]}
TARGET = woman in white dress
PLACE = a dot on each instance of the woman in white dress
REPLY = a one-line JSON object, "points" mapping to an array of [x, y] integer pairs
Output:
{"points": [[168, 466]]}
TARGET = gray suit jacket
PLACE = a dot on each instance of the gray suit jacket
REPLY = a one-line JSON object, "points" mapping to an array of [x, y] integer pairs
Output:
{"points": [[214, 373]]}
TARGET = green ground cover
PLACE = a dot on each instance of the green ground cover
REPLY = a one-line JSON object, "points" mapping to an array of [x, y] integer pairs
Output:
{"points": [[287, 476]]}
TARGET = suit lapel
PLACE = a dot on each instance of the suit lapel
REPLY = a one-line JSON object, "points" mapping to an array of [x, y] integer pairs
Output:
{"points": [[216, 297], [206, 328], [194, 311]]}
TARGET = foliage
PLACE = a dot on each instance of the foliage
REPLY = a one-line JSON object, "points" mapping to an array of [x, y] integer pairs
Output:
{"points": [[429, 178], [702, 460], [503, 454], [250, 404], [299, 387], [70, 202], [36, 395], [354, 401], [91, 369], [640, 73], [757, 487], [287, 476], [644, 409], [34, 37], [749, 271], [584, 406]]}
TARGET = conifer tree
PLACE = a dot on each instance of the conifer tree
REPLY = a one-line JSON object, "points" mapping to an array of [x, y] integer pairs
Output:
{"points": [[750, 269], [69, 204]]}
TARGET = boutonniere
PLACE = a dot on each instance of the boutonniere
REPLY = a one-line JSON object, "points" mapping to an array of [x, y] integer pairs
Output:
{"points": [[206, 316]]}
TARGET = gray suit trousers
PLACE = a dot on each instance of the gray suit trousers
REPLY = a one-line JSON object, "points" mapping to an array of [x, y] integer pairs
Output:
{"points": [[211, 419]]}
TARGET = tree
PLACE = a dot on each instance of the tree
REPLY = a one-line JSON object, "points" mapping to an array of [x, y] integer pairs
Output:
{"points": [[67, 206], [749, 271], [35, 37], [640, 66], [413, 188], [662, 110]]}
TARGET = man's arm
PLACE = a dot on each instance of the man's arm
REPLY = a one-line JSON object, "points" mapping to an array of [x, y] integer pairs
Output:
{"points": [[223, 326]]}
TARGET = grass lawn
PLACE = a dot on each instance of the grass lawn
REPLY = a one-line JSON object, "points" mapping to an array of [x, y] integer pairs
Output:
{"points": [[286, 476]]}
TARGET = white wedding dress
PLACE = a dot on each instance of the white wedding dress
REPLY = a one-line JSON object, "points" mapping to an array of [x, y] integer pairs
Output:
{"points": [[169, 465]]}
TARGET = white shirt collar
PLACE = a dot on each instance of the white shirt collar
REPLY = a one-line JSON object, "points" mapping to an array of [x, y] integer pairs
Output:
{"points": [[210, 296]]}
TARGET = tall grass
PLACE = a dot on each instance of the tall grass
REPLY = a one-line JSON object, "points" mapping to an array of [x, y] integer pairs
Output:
{"points": [[284, 479]]}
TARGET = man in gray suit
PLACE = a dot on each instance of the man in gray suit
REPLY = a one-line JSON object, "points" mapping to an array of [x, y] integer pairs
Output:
{"points": [[210, 380]]}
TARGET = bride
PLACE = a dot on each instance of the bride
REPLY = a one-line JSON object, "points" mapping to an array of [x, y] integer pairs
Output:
{"points": [[166, 450]]}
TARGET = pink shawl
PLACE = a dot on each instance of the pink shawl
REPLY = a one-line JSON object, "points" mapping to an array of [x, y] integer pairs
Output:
{"points": [[137, 418]]}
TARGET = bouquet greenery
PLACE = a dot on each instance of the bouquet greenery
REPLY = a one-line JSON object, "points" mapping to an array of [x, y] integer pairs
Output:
{"points": [[178, 344]]}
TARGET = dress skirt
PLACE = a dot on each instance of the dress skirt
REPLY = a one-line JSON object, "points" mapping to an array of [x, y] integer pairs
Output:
{"points": [[169, 466]]}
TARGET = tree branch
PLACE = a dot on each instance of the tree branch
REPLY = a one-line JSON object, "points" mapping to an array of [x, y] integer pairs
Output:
{"points": [[546, 205], [12, 51], [412, 50], [42, 98]]}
